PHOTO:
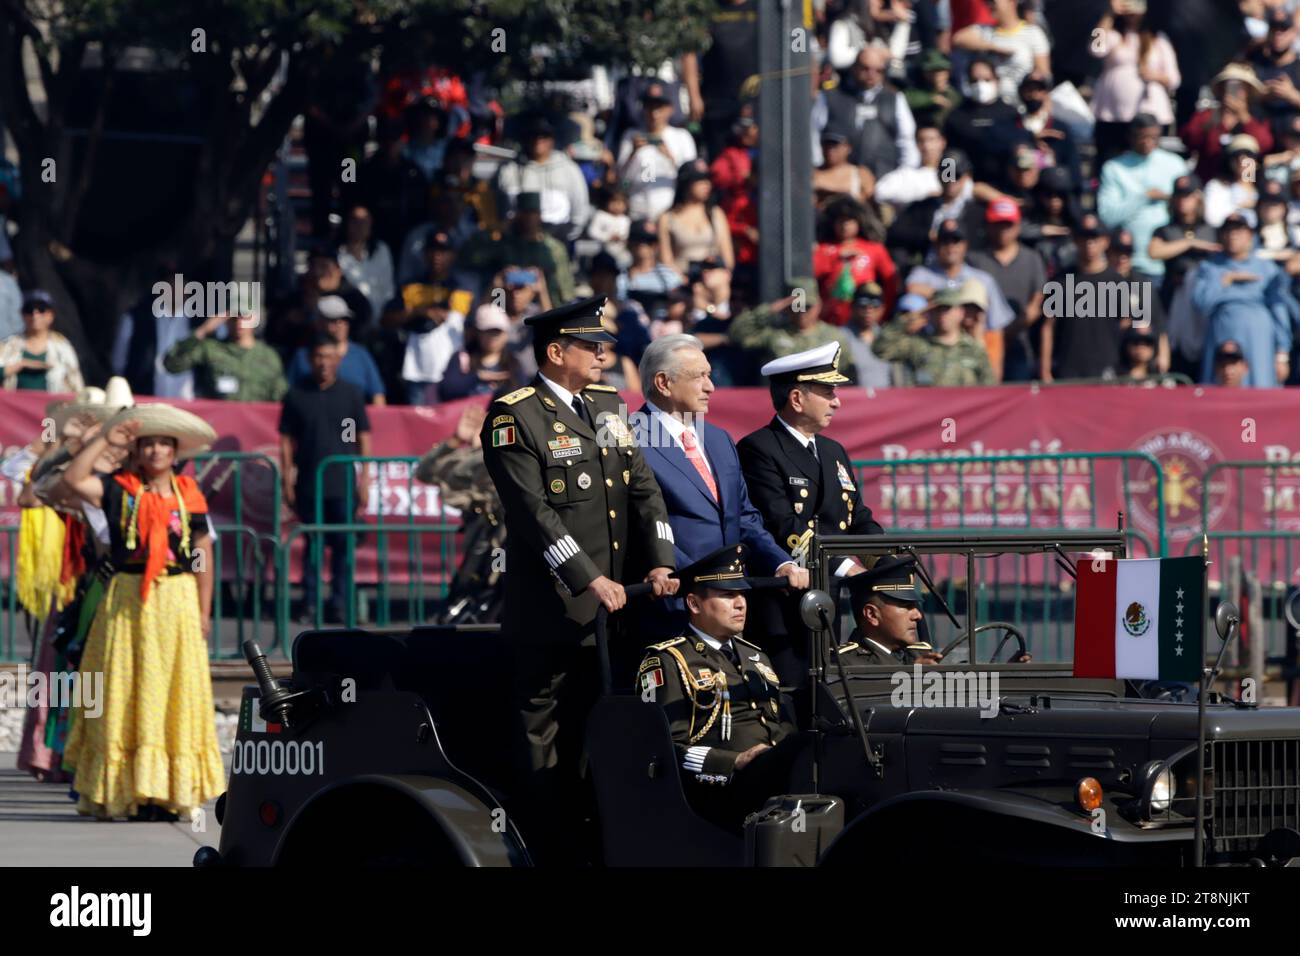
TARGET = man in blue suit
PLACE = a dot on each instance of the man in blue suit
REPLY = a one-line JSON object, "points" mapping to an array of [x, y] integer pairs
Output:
{"points": [[698, 470]]}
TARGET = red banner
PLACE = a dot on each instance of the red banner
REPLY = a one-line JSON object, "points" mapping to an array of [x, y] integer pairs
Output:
{"points": [[1186, 430]]}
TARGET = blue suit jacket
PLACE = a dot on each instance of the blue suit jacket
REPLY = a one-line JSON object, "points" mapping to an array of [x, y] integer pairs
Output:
{"points": [[701, 525]]}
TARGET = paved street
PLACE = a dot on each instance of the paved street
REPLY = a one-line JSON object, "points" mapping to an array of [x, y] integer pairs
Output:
{"points": [[39, 826]]}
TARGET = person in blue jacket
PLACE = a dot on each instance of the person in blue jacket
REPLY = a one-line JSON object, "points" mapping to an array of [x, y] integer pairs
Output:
{"points": [[1245, 298]]}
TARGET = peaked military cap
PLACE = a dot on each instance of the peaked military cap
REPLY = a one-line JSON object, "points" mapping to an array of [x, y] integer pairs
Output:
{"points": [[723, 569], [821, 364], [580, 319], [893, 577]]}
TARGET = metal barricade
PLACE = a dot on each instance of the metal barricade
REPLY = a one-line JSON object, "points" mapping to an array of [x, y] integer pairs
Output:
{"points": [[391, 476], [8, 630], [1270, 557], [253, 554], [417, 600]]}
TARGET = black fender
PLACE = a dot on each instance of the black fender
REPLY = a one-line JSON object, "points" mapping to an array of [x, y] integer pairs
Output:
{"points": [[1000, 826], [399, 819]]}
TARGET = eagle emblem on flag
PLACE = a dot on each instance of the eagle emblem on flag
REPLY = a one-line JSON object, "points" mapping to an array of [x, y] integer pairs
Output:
{"points": [[1136, 621]]}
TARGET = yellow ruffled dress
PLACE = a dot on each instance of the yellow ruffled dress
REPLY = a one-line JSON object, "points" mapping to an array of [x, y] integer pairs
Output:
{"points": [[155, 741]]}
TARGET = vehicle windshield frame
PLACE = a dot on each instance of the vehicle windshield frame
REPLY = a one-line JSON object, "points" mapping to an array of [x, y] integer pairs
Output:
{"points": [[828, 551]]}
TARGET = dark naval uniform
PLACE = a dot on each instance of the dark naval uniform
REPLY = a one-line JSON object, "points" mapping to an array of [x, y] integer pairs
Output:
{"points": [[577, 497], [795, 490], [719, 707]]}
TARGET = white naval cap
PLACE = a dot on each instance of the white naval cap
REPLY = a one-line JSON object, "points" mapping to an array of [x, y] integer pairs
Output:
{"points": [[814, 365]]}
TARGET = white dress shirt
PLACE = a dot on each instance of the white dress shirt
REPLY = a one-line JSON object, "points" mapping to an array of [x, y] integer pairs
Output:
{"points": [[675, 427], [713, 642], [562, 393], [801, 438]]}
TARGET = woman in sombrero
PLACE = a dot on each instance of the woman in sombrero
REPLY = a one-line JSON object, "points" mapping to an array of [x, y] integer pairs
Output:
{"points": [[80, 538], [152, 754]]}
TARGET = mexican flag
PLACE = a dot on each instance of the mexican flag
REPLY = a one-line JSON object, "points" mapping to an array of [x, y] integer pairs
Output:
{"points": [[1141, 619], [251, 722]]}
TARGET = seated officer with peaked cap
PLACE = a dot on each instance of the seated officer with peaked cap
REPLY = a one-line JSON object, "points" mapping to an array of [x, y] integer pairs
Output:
{"points": [[578, 497], [721, 695], [886, 612]]}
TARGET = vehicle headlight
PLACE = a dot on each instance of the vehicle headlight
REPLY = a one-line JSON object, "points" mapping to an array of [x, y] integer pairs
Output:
{"points": [[1162, 790]]}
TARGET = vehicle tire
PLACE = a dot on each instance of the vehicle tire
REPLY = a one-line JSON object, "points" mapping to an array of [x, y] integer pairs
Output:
{"points": [[367, 827]]}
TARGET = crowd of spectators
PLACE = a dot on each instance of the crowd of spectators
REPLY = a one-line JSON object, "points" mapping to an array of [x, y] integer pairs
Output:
{"points": [[955, 184]]}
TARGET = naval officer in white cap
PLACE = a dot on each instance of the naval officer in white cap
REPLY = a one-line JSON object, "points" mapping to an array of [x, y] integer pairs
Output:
{"points": [[800, 480]]}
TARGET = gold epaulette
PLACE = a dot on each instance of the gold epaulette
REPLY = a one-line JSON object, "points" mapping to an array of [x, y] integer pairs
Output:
{"points": [[600, 388], [844, 649], [518, 395], [667, 644]]}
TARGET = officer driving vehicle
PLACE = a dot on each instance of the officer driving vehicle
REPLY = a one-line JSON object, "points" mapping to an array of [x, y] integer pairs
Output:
{"points": [[886, 614]]}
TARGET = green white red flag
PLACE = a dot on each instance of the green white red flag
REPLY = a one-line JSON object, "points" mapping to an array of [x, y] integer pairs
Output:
{"points": [[1141, 619]]}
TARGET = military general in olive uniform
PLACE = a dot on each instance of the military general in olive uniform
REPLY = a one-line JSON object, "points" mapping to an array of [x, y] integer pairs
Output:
{"points": [[721, 695], [580, 505]]}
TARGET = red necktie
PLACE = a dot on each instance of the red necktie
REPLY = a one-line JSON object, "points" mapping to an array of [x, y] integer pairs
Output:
{"points": [[696, 458]]}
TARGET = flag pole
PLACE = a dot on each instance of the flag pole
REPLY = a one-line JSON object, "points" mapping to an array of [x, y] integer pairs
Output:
{"points": [[1198, 846]]}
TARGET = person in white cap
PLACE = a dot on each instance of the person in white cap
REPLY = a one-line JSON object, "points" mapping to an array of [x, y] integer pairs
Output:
{"points": [[485, 364], [801, 481], [356, 366]]}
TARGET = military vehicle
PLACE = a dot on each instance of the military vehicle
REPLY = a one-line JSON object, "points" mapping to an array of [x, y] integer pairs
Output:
{"points": [[389, 748]]}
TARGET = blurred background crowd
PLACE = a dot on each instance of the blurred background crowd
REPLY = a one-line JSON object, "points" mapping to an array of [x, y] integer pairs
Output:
{"points": [[957, 183]]}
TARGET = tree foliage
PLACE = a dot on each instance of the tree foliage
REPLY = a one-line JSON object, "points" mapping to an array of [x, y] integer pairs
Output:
{"points": [[253, 63]]}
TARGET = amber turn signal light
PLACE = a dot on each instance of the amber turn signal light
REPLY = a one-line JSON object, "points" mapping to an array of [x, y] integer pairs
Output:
{"points": [[1087, 792]]}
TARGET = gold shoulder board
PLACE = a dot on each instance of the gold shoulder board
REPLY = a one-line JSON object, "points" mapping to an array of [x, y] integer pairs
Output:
{"points": [[667, 644], [518, 395], [600, 388], [846, 648], [740, 640]]}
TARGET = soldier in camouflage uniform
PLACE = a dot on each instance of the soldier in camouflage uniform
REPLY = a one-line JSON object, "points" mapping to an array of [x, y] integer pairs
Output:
{"points": [[456, 466], [948, 356], [524, 243], [790, 325], [240, 369]]}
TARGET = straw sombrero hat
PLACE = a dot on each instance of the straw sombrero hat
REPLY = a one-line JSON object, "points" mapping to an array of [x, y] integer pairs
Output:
{"points": [[100, 403], [1238, 71], [193, 435]]}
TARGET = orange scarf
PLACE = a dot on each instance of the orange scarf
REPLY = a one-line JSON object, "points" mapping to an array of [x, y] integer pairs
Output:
{"points": [[152, 513], [74, 559]]}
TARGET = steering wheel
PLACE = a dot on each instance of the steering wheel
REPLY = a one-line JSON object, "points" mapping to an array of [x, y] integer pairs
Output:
{"points": [[1012, 631]]}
